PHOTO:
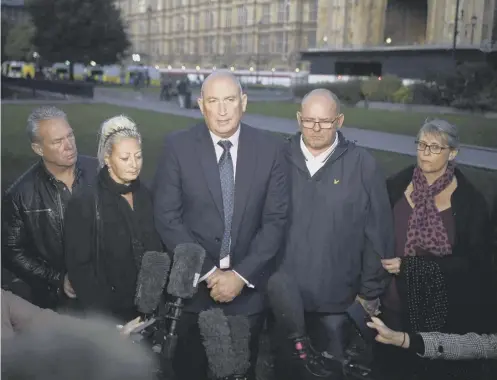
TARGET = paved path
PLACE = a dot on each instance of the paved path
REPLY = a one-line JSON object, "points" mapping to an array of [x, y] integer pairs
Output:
{"points": [[468, 155]]}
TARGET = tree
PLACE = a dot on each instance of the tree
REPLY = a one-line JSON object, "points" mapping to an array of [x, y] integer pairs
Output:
{"points": [[79, 31], [19, 41], [5, 31]]}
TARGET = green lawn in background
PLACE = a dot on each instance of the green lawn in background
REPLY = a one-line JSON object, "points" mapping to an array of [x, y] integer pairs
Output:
{"points": [[473, 129], [86, 119]]}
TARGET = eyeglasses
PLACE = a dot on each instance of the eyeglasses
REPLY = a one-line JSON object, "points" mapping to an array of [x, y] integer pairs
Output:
{"points": [[323, 124], [433, 148]]}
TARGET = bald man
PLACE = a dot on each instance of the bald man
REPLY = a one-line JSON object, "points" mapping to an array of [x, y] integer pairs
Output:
{"points": [[340, 225], [222, 184]]}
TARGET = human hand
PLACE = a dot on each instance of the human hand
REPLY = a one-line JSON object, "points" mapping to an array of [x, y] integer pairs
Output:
{"points": [[212, 279], [392, 266], [68, 290], [226, 286], [387, 335], [131, 325]]}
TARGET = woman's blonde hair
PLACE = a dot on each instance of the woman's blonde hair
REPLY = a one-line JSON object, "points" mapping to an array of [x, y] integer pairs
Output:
{"points": [[111, 131]]}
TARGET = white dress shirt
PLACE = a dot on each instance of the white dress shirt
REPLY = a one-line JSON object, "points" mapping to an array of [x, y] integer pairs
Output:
{"points": [[225, 262], [314, 163]]}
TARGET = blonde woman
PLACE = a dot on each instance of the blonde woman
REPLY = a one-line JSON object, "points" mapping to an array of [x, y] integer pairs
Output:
{"points": [[108, 227]]}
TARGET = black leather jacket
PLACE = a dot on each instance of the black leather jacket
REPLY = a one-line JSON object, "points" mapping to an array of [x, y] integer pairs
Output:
{"points": [[32, 228]]}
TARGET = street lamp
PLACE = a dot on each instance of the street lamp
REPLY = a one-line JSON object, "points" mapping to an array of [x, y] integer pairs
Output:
{"points": [[136, 57], [93, 63], [473, 25], [388, 40]]}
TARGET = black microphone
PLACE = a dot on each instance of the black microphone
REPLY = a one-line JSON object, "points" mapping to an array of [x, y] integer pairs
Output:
{"points": [[226, 341], [216, 337], [183, 280], [151, 281], [240, 340], [152, 278], [288, 309]]}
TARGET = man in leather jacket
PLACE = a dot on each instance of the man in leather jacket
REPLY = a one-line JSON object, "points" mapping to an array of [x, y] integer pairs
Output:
{"points": [[33, 208]]}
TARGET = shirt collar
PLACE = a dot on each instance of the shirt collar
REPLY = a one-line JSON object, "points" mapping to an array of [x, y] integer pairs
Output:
{"points": [[233, 139], [322, 157], [78, 172]]}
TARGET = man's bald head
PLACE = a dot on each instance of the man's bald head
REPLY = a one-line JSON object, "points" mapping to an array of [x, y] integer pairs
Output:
{"points": [[222, 103], [324, 96], [319, 119], [223, 75]]}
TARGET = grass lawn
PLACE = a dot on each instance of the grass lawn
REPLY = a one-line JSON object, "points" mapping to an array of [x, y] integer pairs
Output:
{"points": [[86, 119], [473, 129]]}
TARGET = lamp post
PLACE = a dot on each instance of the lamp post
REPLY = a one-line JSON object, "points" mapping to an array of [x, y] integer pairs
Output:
{"points": [[149, 34], [257, 53], [456, 25], [473, 25]]}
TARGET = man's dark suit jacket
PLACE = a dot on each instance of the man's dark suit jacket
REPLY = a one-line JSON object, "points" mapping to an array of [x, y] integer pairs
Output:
{"points": [[189, 207]]}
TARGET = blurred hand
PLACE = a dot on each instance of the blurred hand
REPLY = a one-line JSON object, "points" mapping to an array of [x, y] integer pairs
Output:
{"points": [[372, 307], [131, 325], [226, 286], [392, 266], [387, 335], [68, 290]]}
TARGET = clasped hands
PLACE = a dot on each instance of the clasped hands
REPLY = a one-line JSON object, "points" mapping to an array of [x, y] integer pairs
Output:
{"points": [[224, 285]]}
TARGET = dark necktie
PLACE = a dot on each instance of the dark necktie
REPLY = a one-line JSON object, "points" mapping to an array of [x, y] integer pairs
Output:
{"points": [[227, 175]]}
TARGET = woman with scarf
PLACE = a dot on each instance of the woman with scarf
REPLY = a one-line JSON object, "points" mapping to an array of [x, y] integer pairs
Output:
{"points": [[442, 236], [109, 227]]}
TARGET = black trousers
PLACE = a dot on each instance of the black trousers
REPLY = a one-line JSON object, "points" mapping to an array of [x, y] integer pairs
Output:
{"points": [[190, 360], [327, 332]]}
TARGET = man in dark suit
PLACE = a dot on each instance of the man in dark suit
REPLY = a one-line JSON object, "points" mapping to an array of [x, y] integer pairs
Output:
{"points": [[222, 184]]}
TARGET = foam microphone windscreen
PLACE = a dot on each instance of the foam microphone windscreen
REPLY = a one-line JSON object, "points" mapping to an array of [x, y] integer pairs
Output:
{"points": [[286, 302], [240, 340], [151, 281], [216, 338], [185, 273]]}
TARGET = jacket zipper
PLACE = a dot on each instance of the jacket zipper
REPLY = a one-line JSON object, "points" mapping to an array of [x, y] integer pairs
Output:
{"points": [[61, 210]]}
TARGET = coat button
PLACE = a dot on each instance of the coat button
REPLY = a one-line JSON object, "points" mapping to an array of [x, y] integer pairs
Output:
{"points": [[113, 288], [218, 240]]}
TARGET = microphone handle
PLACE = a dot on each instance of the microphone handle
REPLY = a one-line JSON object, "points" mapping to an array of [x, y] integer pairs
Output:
{"points": [[177, 307], [169, 346], [170, 338]]}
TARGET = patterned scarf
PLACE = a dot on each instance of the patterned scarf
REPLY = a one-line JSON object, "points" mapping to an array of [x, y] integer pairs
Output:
{"points": [[425, 227]]}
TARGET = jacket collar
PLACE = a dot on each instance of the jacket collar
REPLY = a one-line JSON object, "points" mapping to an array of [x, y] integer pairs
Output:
{"points": [[297, 156], [45, 173], [398, 183]]}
